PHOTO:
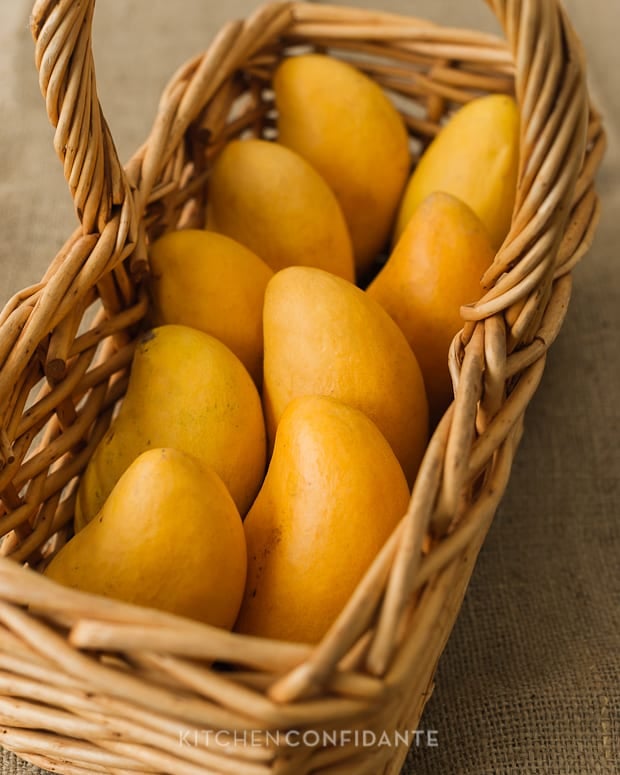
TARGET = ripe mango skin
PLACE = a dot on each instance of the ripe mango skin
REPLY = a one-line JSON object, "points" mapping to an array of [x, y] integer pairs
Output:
{"points": [[333, 494], [475, 157], [271, 200], [435, 268], [213, 283], [324, 336], [187, 391], [346, 127], [168, 537]]}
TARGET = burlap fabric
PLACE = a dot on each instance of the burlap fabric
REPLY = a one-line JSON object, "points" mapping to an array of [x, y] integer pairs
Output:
{"points": [[530, 680]]}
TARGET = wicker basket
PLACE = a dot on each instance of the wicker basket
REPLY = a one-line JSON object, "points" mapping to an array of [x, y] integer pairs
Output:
{"points": [[93, 685]]}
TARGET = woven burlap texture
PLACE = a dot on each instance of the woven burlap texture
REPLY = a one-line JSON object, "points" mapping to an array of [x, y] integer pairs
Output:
{"points": [[530, 681]]}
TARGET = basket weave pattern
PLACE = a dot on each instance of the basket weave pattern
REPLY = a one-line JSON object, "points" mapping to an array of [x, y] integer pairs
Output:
{"points": [[94, 685]]}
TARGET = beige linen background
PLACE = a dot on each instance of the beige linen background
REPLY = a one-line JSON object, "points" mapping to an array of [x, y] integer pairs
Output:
{"points": [[530, 680]]}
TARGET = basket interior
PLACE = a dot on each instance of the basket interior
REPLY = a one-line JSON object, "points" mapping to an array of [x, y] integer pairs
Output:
{"points": [[65, 398]]}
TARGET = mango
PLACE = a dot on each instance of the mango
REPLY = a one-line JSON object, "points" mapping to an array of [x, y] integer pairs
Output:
{"points": [[187, 391], [169, 536], [325, 336], [475, 157], [346, 127], [435, 268], [333, 493], [272, 201], [212, 283]]}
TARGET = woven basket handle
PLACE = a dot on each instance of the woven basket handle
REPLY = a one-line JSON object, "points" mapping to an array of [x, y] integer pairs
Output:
{"points": [[550, 82], [63, 55]]}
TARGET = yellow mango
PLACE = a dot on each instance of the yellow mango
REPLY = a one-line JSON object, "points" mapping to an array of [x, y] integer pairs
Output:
{"points": [[212, 283], [272, 201], [188, 391], [475, 157], [325, 336], [435, 268], [333, 493], [169, 536], [344, 125]]}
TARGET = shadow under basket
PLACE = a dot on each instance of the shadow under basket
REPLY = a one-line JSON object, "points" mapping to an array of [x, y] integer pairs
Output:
{"points": [[94, 685]]}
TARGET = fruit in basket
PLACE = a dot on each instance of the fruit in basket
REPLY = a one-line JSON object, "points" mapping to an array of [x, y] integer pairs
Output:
{"points": [[271, 200], [434, 269], [169, 536], [344, 125], [333, 493], [212, 283], [188, 391], [475, 157], [325, 336]]}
